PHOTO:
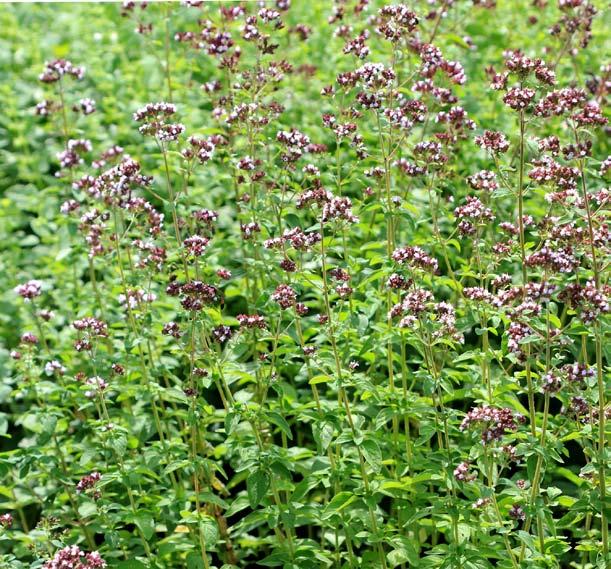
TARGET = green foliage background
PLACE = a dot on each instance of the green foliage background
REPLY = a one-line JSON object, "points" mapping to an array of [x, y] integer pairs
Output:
{"points": [[123, 72]]}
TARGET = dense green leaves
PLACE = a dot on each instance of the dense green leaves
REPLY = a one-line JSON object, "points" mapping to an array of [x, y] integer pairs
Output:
{"points": [[340, 325]]}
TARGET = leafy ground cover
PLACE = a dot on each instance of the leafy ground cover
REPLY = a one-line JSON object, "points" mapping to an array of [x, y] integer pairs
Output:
{"points": [[304, 284]]}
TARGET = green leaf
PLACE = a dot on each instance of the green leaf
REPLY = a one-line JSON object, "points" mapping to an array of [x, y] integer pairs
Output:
{"points": [[119, 444], [397, 556], [257, 485], [146, 524], [195, 561], [87, 509], [320, 379], [210, 531], [372, 453], [339, 502], [232, 420], [48, 425], [280, 422]]}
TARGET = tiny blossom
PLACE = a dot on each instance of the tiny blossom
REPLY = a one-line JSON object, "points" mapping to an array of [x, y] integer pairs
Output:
{"points": [[519, 98], [196, 294], [540, 291], [579, 407], [462, 472], [551, 383], [587, 299], [29, 338], [516, 333], [559, 102], [311, 170], [249, 230], [46, 107], [478, 294], [343, 290], [301, 309], [70, 157], [493, 141], [88, 482], [288, 265], [54, 367], [71, 557], [480, 503], [45, 314], [408, 168], [455, 71], [578, 372], [547, 171], [339, 209], [456, 117], [118, 369], [154, 111], [501, 281], [416, 301], [556, 259], [202, 148], [577, 151], [251, 321], [516, 62], [6, 520], [357, 46], [516, 512], [221, 333], [498, 81], [196, 245], [300, 240], [430, 152], [416, 257], [446, 316], [295, 143], [29, 290], [473, 211], [396, 281], [91, 325], [55, 70], [396, 21], [171, 329], [284, 295], [135, 297], [590, 115], [97, 383], [246, 163], [492, 421], [483, 180], [154, 115], [85, 106], [375, 75], [549, 144], [206, 216]]}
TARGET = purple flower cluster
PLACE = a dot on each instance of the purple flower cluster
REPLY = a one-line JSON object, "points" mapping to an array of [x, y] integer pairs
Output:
{"points": [[55, 70], [415, 257], [492, 421], [71, 557], [29, 290], [154, 116]]}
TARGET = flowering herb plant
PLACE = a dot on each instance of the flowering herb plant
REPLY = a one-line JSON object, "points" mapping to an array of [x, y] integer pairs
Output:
{"points": [[299, 285]]}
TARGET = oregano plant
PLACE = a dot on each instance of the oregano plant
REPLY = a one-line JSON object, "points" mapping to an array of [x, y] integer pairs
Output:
{"points": [[305, 284]]}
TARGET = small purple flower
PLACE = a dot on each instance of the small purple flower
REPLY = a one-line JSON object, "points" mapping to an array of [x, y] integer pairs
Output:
{"points": [[29, 290]]}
